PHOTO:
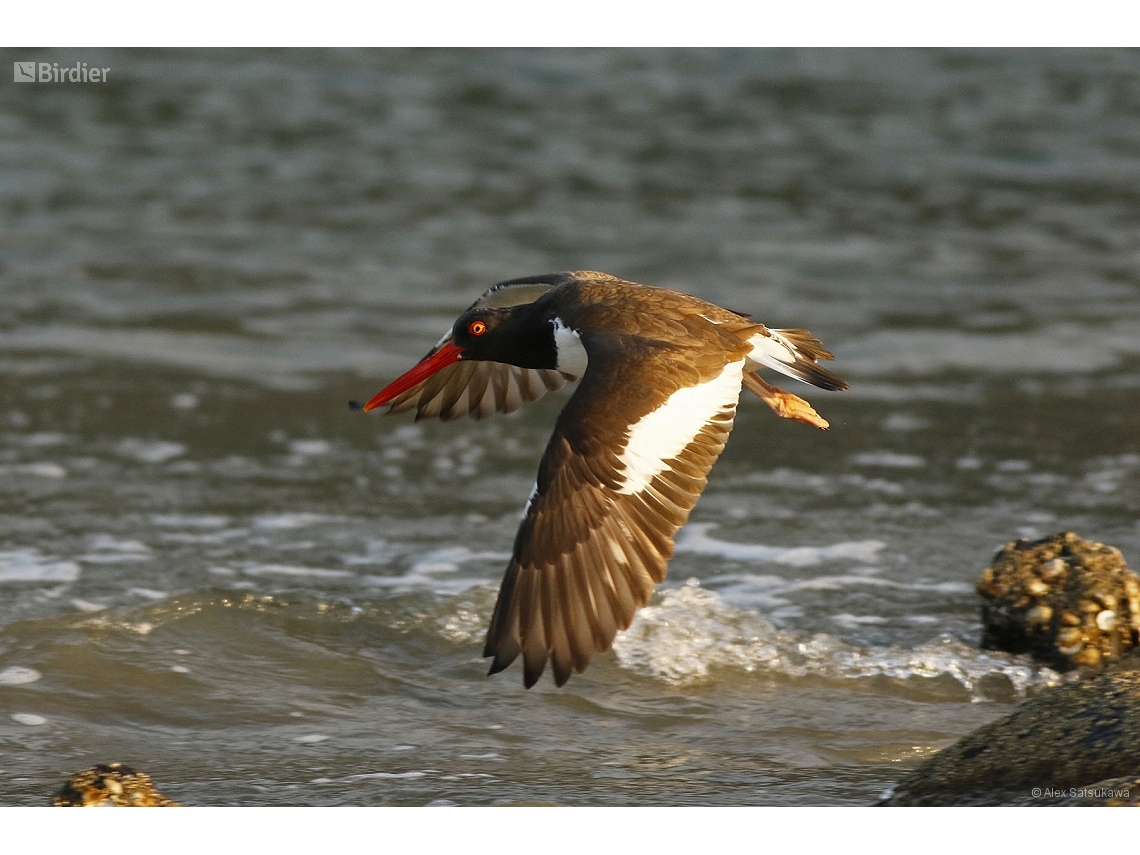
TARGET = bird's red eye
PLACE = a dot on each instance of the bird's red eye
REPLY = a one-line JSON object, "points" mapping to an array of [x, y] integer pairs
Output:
{"points": [[477, 328]]}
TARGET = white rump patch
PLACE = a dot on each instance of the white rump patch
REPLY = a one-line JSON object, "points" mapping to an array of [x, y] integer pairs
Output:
{"points": [[664, 433], [572, 357]]}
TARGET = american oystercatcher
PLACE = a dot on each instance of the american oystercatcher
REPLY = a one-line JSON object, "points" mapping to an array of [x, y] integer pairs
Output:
{"points": [[660, 376]]}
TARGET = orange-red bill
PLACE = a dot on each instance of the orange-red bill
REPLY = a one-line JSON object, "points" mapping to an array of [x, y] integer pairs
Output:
{"points": [[448, 354]]}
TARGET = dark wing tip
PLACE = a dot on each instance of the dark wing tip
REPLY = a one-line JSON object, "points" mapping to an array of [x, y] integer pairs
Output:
{"points": [[498, 665], [819, 376], [811, 372], [809, 350], [532, 671], [505, 651]]}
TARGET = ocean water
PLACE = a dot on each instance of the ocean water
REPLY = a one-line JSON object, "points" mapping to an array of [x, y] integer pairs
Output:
{"points": [[214, 571]]}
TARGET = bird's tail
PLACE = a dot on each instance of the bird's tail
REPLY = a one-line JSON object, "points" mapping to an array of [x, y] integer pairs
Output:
{"points": [[795, 353]]}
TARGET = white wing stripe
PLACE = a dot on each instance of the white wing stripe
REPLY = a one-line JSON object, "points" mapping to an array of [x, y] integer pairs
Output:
{"points": [[664, 433]]}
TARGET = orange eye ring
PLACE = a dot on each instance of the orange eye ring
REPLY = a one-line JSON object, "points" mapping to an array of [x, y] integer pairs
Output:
{"points": [[476, 328]]}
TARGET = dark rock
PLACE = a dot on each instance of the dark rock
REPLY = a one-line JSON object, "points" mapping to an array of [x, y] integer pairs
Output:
{"points": [[1080, 740], [111, 785], [1069, 602]]}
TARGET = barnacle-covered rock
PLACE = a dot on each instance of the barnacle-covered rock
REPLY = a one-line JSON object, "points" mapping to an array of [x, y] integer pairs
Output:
{"points": [[1069, 602], [1077, 741], [111, 785]]}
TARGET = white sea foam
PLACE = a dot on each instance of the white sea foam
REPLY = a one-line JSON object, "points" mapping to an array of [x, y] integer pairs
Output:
{"points": [[832, 583], [28, 719], [277, 522], [105, 621], [43, 439], [448, 560], [108, 549], [849, 620], [190, 520], [38, 470], [149, 450], [1013, 466], [436, 571], [310, 447], [887, 459], [692, 630], [770, 591], [28, 565], [905, 422], [294, 571], [109, 542], [213, 537], [376, 551], [87, 606], [18, 675], [694, 538], [203, 528], [148, 593], [369, 775], [111, 557]]}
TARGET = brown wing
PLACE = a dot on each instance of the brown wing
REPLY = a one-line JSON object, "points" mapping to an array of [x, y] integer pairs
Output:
{"points": [[589, 551], [481, 389]]}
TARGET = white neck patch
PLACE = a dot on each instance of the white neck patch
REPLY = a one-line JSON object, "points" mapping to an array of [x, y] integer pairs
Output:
{"points": [[571, 354], [664, 433]]}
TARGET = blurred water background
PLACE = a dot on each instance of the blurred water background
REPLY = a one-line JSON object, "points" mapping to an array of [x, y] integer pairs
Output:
{"points": [[213, 570]]}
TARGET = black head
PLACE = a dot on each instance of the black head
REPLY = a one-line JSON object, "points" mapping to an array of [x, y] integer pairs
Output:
{"points": [[517, 335]]}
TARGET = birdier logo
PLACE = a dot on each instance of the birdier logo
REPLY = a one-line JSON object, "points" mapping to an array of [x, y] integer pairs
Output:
{"points": [[52, 72]]}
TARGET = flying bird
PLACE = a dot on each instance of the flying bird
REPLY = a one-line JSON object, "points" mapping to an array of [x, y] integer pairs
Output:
{"points": [[659, 377]]}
